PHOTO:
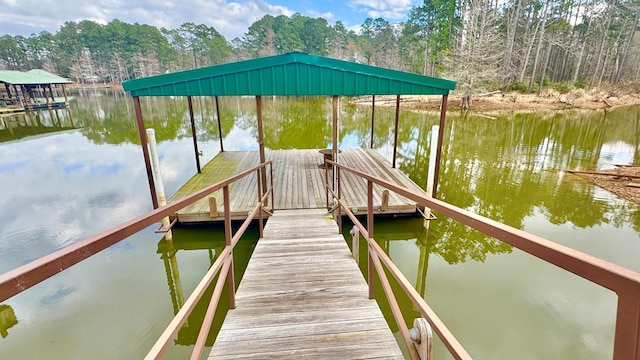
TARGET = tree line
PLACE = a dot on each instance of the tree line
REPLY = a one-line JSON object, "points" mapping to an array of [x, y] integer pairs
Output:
{"points": [[484, 45]]}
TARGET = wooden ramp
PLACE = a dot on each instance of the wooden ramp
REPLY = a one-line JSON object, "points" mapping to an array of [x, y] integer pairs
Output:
{"points": [[298, 183], [303, 296]]}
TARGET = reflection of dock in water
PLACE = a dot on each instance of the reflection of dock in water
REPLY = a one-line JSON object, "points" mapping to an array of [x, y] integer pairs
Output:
{"points": [[18, 126], [210, 240]]}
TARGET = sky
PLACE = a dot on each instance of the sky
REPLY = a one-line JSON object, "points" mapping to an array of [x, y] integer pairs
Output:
{"points": [[230, 17]]}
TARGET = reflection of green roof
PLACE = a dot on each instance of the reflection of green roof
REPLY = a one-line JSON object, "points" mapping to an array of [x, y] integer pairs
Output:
{"points": [[32, 77], [293, 74]]}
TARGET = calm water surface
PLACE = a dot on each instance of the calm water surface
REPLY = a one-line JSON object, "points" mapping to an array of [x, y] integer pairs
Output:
{"points": [[69, 174]]}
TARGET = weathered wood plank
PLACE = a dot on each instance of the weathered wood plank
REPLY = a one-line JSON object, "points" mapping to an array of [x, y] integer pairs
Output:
{"points": [[298, 182], [304, 296]]}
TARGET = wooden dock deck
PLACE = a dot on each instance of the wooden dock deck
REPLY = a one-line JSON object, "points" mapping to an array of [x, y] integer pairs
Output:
{"points": [[298, 183], [303, 295]]}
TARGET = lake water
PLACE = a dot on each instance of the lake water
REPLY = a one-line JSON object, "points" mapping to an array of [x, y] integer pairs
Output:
{"points": [[66, 175]]}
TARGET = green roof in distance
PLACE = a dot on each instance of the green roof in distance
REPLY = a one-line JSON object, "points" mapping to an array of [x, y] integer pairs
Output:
{"points": [[32, 77], [292, 74]]}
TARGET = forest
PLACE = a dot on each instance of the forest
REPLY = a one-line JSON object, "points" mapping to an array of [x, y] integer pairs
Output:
{"points": [[522, 45]]}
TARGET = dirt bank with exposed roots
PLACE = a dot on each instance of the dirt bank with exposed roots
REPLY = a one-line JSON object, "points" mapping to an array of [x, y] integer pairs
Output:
{"points": [[548, 100]]}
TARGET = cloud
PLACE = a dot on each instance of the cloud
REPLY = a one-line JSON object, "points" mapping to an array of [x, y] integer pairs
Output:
{"points": [[316, 14], [230, 18], [388, 9]]}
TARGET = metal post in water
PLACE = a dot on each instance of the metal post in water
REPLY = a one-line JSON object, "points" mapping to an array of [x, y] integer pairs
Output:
{"points": [[145, 151], [157, 174], [373, 119], [435, 131], [395, 133], [443, 114]]}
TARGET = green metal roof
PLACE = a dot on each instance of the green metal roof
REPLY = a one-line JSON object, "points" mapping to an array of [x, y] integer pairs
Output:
{"points": [[32, 77], [293, 74]]}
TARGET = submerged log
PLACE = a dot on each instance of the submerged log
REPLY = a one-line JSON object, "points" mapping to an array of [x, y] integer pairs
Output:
{"points": [[604, 173]]}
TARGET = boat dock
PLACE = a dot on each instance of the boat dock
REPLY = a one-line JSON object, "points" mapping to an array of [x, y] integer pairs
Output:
{"points": [[303, 295], [298, 180]]}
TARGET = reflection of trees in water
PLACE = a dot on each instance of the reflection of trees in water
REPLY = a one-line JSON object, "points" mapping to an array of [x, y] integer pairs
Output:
{"points": [[297, 123], [504, 168], [109, 118], [507, 168], [8, 319]]}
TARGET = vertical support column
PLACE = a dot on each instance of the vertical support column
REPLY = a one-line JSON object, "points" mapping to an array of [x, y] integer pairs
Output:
{"points": [[627, 335], [219, 124], [145, 151], [395, 133], [334, 138], [273, 201], [24, 96], [53, 98], [355, 243], [193, 134], [64, 93], [155, 164], [261, 139], [227, 237], [260, 194], [371, 269], [443, 114], [339, 208], [373, 117]]}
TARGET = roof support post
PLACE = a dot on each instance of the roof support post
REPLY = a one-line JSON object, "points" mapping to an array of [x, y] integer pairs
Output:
{"points": [[219, 124], [373, 117], [53, 95], [193, 134], [395, 133], [53, 98], [443, 114], [261, 141], [64, 93], [145, 151], [24, 96]]}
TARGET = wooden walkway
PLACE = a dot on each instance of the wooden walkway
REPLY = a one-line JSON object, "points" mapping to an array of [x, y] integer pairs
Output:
{"points": [[298, 183], [303, 295]]}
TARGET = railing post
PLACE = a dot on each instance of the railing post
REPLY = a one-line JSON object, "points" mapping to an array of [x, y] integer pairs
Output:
{"points": [[259, 172], [326, 184], [273, 204], [355, 243], [627, 335], [339, 209], [371, 269], [227, 237]]}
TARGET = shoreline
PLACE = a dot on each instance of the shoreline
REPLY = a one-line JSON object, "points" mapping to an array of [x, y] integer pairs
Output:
{"points": [[511, 101]]}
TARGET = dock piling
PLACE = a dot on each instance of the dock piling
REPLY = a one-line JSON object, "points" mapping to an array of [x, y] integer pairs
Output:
{"points": [[157, 174]]}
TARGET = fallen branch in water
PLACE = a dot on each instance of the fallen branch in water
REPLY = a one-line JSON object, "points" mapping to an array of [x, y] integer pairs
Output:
{"points": [[604, 173]]}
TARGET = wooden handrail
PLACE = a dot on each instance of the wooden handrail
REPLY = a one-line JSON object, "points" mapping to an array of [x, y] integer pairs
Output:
{"points": [[611, 276], [225, 274], [26, 276], [623, 281], [17, 280], [174, 326]]}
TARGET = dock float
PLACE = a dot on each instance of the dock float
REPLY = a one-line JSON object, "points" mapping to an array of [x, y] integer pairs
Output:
{"points": [[303, 295], [298, 180]]}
